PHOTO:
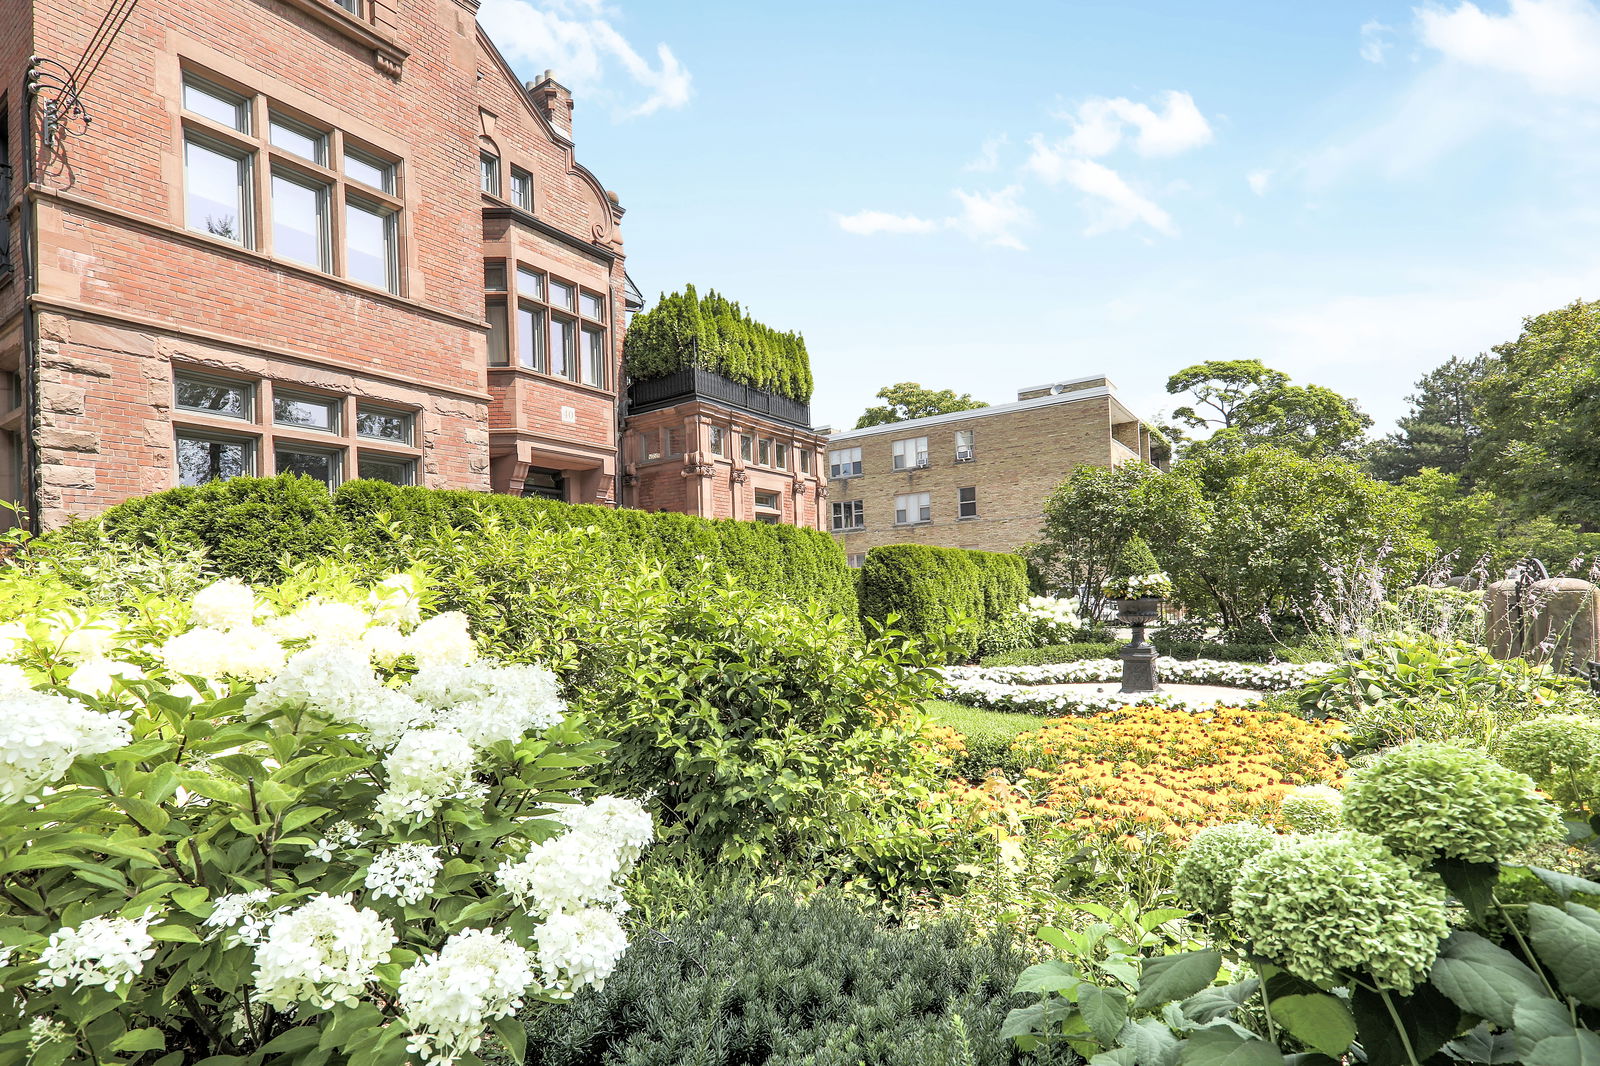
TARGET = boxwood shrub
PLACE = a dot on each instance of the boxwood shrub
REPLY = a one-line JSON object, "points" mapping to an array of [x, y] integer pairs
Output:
{"points": [[250, 527], [928, 587], [783, 983]]}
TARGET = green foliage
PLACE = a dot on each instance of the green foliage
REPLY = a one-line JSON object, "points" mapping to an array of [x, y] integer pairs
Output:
{"points": [[1422, 687], [1440, 800], [909, 400], [1220, 651], [1440, 431], [256, 528], [713, 333], [926, 589], [1054, 653], [1482, 534], [782, 983], [1135, 559], [1561, 752]]}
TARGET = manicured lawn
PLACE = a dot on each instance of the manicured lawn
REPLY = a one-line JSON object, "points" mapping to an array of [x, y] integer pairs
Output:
{"points": [[972, 722]]}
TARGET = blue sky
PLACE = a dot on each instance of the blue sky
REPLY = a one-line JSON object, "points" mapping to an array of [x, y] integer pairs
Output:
{"points": [[983, 197]]}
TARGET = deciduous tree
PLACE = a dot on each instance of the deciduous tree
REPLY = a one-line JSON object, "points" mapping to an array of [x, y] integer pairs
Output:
{"points": [[908, 400]]}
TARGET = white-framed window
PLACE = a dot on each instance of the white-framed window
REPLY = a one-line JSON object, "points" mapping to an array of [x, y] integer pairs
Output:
{"points": [[714, 438], [965, 452], [306, 412], [849, 514], [369, 170], [967, 503], [218, 190], [764, 451], [369, 244], [910, 453], [913, 509], [594, 357], [780, 455], [214, 396], [747, 445], [204, 457], [223, 106], [300, 221], [844, 462], [489, 173], [768, 500], [805, 460], [522, 188], [856, 560], [307, 142]]}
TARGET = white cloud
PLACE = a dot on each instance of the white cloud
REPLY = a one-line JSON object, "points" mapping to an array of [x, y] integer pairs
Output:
{"points": [[1553, 45], [1258, 181], [1376, 40], [1112, 202], [992, 217], [577, 40], [1099, 123], [866, 223], [988, 158]]}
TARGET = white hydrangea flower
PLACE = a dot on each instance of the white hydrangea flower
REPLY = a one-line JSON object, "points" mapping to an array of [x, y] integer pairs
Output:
{"points": [[580, 949], [79, 640], [103, 952], [567, 873], [394, 601], [225, 604], [385, 644], [620, 824], [247, 652], [245, 914], [341, 834], [13, 635], [337, 682], [427, 767], [42, 1032], [405, 872], [443, 640], [487, 703], [321, 953], [41, 733], [12, 679], [447, 999], [97, 676], [323, 622]]}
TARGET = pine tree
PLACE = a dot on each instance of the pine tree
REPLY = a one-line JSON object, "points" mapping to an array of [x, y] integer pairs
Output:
{"points": [[1441, 431]]}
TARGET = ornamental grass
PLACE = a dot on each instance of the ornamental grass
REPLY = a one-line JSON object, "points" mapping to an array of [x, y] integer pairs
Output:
{"points": [[1158, 775]]}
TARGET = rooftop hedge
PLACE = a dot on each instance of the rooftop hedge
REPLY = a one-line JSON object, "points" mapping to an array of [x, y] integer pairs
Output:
{"points": [[713, 333]]}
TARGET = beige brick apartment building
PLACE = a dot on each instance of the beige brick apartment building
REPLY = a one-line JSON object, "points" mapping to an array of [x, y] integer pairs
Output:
{"points": [[332, 237], [976, 479]]}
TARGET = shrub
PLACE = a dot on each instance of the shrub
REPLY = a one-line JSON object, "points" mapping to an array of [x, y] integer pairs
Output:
{"points": [[1448, 801], [1561, 752], [710, 331], [1054, 653], [1206, 649], [1212, 860], [930, 588], [1312, 809], [782, 983], [1136, 572]]}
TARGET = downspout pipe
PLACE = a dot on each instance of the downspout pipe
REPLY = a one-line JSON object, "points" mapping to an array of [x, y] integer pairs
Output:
{"points": [[27, 232]]}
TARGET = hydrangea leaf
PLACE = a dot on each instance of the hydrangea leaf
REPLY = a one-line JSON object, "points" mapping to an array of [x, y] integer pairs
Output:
{"points": [[1483, 1047], [1569, 948], [1209, 1004], [1224, 1047], [1470, 882], [1565, 884], [1105, 1010], [1546, 1037], [1172, 977], [1483, 978], [1321, 1021], [1152, 1042], [1429, 1019]]}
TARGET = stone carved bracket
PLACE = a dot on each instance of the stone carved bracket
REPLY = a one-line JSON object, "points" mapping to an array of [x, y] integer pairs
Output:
{"points": [[698, 470], [740, 477]]}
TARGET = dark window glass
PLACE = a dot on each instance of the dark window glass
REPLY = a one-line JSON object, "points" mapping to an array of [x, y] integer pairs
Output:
{"points": [[394, 471], [323, 466], [383, 425], [215, 398], [203, 459], [499, 352], [494, 277]]}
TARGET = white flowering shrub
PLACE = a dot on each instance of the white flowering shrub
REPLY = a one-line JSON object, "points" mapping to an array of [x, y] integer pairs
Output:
{"points": [[268, 825], [1052, 619]]}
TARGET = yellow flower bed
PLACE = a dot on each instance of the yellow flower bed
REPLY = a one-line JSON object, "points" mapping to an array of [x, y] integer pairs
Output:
{"points": [[1141, 771]]}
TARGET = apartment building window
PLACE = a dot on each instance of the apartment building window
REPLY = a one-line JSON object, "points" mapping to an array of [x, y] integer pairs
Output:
{"points": [[714, 437], [352, 6], [780, 455], [522, 188], [746, 446], [844, 462], [856, 560], [849, 514], [304, 433], [339, 221], [672, 441], [965, 452], [494, 277], [913, 509], [489, 173], [594, 356], [769, 507], [910, 453], [764, 451], [967, 503], [805, 460]]}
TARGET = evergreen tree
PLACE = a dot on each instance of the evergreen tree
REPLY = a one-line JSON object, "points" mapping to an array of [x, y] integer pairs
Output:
{"points": [[1441, 432], [714, 333]]}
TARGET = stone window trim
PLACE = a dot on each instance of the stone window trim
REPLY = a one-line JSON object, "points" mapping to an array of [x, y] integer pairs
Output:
{"points": [[511, 295], [356, 20], [265, 159], [263, 433]]}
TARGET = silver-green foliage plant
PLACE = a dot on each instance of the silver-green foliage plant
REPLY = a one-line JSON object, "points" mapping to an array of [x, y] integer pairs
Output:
{"points": [[267, 827]]}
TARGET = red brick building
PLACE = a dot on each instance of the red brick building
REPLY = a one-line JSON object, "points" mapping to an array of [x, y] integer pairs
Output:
{"points": [[701, 444], [336, 237]]}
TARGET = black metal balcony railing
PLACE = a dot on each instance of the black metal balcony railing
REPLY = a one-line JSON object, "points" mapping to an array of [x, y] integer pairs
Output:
{"points": [[697, 384]]}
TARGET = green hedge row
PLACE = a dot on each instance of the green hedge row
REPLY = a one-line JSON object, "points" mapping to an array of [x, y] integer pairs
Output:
{"points": [[1177, 649], [251, 527], [928, 587], [711, 331]]}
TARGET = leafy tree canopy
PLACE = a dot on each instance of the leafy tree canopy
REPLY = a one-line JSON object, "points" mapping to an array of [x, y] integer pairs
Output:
{"points": [[909, 400], [1441, 431], [1481, 534], [714, 333], [1246, 404]]}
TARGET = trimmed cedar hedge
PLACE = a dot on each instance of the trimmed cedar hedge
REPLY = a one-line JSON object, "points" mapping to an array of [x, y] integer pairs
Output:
{"points": [[249, 527], [927, 587], [714, 333]]}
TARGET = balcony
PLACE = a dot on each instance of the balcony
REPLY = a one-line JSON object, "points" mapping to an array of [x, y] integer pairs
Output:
{"points": [[697, 384]]}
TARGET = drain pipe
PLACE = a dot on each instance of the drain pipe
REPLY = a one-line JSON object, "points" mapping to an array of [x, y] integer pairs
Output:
{"points": [[27, 234]]}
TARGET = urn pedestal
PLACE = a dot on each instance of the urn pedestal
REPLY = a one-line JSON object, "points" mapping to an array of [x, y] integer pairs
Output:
{"points": [[1139, 657]]}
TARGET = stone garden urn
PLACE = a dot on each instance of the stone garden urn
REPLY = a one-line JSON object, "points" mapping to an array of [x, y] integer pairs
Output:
{"points": [[1139, 657]]}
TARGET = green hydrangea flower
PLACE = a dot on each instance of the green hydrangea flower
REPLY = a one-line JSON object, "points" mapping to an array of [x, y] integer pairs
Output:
{"points": [[1213, 859], [1440, 799], [1562, 753], [1335, 903], [1313, 809]]}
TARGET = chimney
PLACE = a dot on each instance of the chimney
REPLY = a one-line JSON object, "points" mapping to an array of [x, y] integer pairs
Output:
{"points": [[554, 101]]}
